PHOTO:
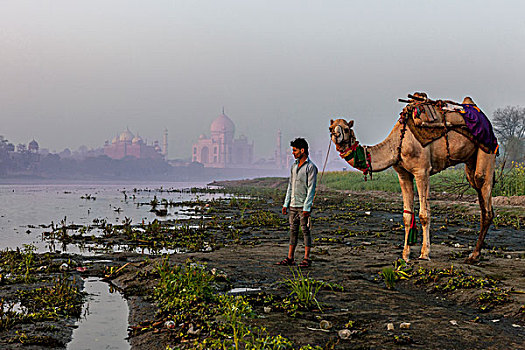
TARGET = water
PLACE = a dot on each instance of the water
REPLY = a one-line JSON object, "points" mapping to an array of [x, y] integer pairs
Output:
{"points": [[26, 207], [105, 321]]}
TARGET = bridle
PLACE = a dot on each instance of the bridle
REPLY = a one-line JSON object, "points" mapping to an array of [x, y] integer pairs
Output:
{"points": [[340, 138], [350, 149], [338, 135]]}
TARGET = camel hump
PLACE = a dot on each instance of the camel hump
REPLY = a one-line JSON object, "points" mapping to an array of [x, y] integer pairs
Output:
{"points": [[468, 101]]}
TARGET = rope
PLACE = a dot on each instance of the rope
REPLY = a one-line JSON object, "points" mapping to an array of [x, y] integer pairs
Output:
{"points": [[324, 166], [322, 174], [403, 130]]}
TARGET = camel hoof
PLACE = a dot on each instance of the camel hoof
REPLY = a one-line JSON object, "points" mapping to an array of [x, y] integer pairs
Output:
{"points": [[471, 260], [421, 257]]}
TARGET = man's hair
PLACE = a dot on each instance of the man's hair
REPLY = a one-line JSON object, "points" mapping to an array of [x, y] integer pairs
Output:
{"points": [[300, 143]]}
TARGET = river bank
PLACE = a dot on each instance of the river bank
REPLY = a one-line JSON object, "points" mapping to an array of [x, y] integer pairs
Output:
{"points": [[234, 242]]}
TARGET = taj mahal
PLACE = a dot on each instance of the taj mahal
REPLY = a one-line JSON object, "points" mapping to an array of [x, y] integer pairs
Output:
{"points": [[128, 145], [221, 149]]}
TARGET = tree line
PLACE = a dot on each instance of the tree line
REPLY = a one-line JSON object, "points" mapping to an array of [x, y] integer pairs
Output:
{"points": [[509, 126]]}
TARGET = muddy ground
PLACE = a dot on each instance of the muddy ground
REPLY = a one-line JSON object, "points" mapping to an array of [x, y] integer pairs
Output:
{"points": [[356, 236]]}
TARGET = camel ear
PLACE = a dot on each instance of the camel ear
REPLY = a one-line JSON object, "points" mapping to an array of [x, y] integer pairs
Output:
{"points": [[331, 121], [350, 123]]}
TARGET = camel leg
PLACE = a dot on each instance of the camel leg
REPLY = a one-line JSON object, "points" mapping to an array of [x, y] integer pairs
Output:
{"points": [[482, 180], [423, 190], [406, 181]]}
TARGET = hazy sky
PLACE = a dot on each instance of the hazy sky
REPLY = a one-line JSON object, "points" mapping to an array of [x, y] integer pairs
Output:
{"points": [[78, 72]]}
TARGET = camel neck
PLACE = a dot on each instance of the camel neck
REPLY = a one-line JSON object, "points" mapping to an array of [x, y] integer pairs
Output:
{"points": [[384, 154]]}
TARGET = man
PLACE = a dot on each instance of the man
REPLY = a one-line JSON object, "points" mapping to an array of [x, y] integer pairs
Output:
{"points": [[299, 199]]}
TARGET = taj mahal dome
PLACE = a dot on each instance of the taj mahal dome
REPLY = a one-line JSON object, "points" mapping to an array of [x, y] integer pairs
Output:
{"points": [[221, 149]]}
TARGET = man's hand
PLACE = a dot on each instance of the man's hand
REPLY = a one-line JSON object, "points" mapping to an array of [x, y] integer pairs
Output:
{"points": [[285, 210], [306, 214]]}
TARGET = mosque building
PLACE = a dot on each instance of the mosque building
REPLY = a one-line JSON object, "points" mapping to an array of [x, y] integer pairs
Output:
{"points": [[126, 144], [221, 150]]}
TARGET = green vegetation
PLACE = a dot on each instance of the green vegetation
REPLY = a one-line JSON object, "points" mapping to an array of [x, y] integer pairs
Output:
{"points": [[392, 274], [493, 297], [261, 218], [22, 265], [60, 300], [448, 280], [389, 276], [353, 181], [304, 289], [201, 318], [50, 300], [157, 235], [510, 183]]}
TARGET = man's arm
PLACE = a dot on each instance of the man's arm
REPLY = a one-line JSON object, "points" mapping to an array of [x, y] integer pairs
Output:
{"points": [[312, 182], [288, 197]]}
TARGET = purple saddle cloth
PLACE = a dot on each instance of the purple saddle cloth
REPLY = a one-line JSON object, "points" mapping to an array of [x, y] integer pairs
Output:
{"points": [[480, 126]]}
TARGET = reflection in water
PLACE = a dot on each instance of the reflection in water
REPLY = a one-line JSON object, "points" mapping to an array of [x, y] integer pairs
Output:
{"points": [[105, 319]]}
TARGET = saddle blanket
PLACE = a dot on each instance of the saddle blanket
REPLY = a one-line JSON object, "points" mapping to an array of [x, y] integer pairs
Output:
{"points": [[480, 126]]}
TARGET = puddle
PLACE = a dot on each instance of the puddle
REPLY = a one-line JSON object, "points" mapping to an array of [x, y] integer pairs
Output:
{"points": [[92, 250], [104, 319]]}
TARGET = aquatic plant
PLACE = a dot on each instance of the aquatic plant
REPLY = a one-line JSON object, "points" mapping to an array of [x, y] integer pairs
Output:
{"points": [[18, 265], [62, 299], [28, 258], [154, 203]]}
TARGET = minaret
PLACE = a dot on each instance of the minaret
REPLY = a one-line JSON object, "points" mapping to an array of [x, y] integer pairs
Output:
{"points": [[165, 144], [278, 151]]}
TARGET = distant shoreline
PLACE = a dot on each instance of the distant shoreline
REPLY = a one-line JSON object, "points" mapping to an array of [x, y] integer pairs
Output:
{"points": [[201, 175]]}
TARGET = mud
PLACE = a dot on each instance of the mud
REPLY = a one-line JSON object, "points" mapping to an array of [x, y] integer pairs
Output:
{"points": [[351, 248]]}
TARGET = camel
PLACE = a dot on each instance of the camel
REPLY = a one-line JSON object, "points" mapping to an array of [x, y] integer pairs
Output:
{"points": [[402, 151]]}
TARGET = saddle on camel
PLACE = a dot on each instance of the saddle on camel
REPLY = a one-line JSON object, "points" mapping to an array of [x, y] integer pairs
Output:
{"points": [[429, 137], [430, 120]]}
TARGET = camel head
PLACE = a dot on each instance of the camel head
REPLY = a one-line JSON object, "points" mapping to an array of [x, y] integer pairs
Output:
{"points": [[341, 133]]}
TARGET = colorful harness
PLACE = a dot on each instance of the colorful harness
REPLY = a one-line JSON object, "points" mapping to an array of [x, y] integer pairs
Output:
{"points": [[361, 157]]}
